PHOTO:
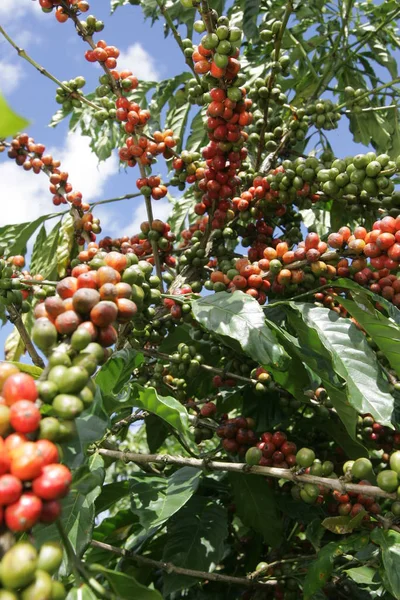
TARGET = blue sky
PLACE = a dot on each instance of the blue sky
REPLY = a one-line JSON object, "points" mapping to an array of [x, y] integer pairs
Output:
{"points": [[144, 50]]}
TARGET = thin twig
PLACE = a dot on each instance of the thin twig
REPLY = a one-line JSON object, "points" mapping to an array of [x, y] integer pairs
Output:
{"points": [[22, 53], [271, 80], [15, 318], [154, 245], [208, 368], [177, 37], [88, 39], [244, 469], [169, 567]]}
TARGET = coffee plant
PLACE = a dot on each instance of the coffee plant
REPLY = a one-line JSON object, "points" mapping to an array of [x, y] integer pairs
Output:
{"points": [[211, 407]]}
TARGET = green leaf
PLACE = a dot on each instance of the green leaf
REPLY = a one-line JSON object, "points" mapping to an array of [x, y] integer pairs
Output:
{"points": [[198, 133], [295, 379], [10, 122], [112, 493], [116, 3], [255, 505], [44, 254], [314, 533], [104, 143], [392, 310], [343, 525], [156, 499], [309, 350], [14, 347], [362, 575], [35, 372], [156, 432], [65, 244], [83, 592], [166, 407], [320, 569], [117, 370], [250, 14], [318, 219], [389, 541], [352, 359], [90, 427], [78, 509], [392, 118], [238, 318], [336, 430], [370, 126], [176, 120], [195, 540], [126, 586], [383, 331], [15, 237], [59, 116], [180, 211], [163, 93]]}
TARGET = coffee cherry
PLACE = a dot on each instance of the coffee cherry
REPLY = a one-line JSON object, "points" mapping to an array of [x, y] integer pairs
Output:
{"points": [[305, 457], [362, 468], [387, 480], [253, 456]]}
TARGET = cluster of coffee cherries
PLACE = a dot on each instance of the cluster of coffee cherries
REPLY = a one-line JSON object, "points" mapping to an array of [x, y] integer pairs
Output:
{"points": [[185, 362], [228, 113], [68, 95], [356, 98], [32, 480], [179, 308], [218, 51], [237, 435], [152, 186], [125, 80], [27, 574], [77, 6], [140, 244], [377, 435], [12, 290], [91, 301], [283, 270], [323, 114], [144, 149], [31, 156], [103, 53], [187, 169], [240, 274], [274, 450]]}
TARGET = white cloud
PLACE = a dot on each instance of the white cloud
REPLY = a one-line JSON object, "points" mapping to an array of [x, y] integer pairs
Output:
{"points": [[25, 196], [11, 75], [25, 38], [139, 61], [15, 9]]}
